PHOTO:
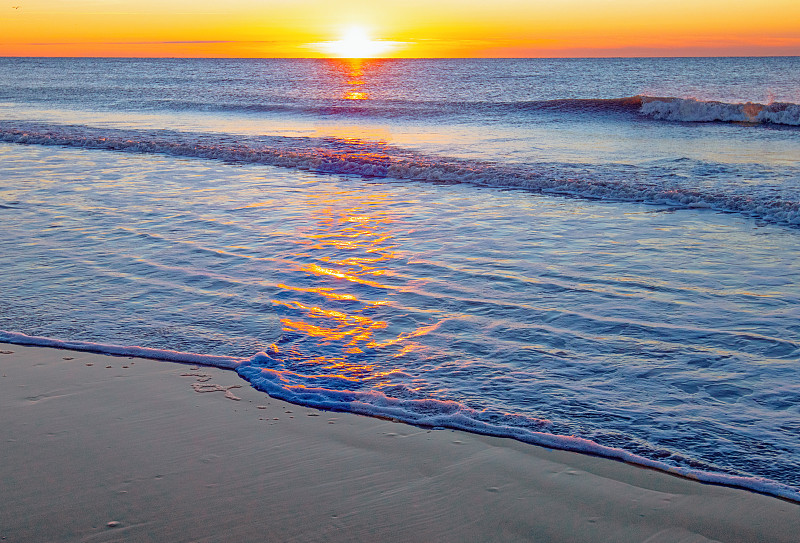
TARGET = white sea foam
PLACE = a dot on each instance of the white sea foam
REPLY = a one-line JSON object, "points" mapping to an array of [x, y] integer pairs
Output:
{"points": [[371, 159], [613, 340], [121, 350], [432, 413], [692, 110]]}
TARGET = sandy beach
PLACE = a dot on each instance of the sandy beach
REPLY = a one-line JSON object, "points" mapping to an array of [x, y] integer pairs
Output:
{"points": [[102, 448]]}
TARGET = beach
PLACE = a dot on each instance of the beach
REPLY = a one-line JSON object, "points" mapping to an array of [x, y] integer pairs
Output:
{"points": [[112, 448], [400, 299]]}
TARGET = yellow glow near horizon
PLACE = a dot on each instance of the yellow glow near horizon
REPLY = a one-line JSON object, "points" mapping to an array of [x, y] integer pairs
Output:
{"points": [[355, 43], [412, 28]]}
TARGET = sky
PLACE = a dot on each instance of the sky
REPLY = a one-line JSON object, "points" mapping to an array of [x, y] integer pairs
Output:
{"points": [[401, 28]]}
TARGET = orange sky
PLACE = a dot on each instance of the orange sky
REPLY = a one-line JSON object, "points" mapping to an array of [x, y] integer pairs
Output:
{"points": [[416, 28]]}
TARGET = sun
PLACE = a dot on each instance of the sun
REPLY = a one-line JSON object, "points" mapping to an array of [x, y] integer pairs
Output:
{"points": [[355, 43]]}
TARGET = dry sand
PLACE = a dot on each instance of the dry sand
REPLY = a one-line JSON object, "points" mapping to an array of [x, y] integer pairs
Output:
{"points": [[100, 448]]}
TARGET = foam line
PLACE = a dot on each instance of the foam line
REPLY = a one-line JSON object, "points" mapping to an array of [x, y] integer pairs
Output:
{"points": [[370, 159], [426, 412], [692, 110], [226, 362], [284, 385]]}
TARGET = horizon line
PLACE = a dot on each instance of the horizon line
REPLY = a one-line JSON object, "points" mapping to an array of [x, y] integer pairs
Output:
{"points": [[544, 57]]}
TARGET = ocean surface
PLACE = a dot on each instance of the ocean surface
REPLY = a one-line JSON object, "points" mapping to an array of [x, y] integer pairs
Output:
{"points": [[599, 255]]}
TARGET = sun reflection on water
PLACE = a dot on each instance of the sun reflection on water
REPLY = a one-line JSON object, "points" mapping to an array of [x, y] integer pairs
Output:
{"points": [[355, 77], [355, 80], [336, 305], [336, 301]]}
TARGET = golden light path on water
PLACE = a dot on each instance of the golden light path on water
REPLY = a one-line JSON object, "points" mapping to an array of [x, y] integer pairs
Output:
{"points": [[355, 81], [354, 74], [336, 301], [342, 279], [438, 299]]}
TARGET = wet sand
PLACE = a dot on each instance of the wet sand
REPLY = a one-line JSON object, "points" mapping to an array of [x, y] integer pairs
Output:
{"points": [[103, 448]]}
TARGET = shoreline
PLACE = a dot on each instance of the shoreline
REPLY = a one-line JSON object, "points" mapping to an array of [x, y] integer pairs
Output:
{"points": [[102, 447], [558, 442]]}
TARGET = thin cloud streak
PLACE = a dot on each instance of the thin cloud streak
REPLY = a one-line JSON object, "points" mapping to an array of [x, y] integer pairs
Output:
{"points": [[172, 42]]}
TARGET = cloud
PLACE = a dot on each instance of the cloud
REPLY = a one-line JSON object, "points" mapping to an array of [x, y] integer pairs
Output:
{"points": [[164, 42]]}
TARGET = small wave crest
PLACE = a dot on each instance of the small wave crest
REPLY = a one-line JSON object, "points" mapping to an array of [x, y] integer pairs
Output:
{"points": [[654, 107], [692, 110], [658, 108], [678, 109], [379, 160]]}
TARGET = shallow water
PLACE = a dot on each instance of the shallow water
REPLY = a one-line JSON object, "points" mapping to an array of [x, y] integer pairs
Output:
{"points": [[633, 326], [439, 282]]}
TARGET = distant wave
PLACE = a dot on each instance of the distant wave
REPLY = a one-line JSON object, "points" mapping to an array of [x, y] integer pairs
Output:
{"points": [[301, 390], [658, 108], [389, 108], [679, 109], [373, 159], [629, 104], [654, 107], [691, 110]]}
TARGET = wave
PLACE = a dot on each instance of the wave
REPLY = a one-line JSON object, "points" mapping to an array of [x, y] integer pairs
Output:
{"points": [[692, 110], [299, 389], [630, 104], [225, 362], [378, 160], [679, 109], [413, 109], [658, 108], [688, 110]]}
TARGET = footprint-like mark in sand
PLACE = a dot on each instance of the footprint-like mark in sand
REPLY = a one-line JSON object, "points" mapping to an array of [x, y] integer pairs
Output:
{"points": [[202, 385]]}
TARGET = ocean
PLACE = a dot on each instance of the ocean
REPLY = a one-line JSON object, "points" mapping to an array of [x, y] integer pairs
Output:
{"points": [[599, 255]]}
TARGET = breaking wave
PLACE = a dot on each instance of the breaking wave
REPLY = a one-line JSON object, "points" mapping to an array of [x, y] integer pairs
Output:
{"points": [[378, 160], [692, 110], [657, 108], [678, 109]]}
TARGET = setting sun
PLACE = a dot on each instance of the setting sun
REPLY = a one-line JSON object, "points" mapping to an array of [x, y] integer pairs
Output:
{"points": [[355, 43], [410, 29]]}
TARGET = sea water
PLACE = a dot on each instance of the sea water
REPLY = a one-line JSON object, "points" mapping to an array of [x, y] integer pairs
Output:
{"points": [[598, 255]]}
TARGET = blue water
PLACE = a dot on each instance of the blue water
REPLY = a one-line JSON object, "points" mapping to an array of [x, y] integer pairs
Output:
{"points": [[599, 255]]}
